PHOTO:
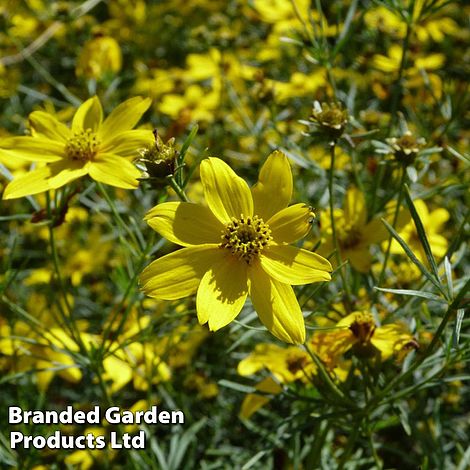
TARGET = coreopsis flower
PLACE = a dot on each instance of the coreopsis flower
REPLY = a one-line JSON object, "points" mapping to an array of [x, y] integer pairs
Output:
{"points": [[99, 56], [355, 234], [238, 245], [90, 147], [359, 332], [286, 364]]}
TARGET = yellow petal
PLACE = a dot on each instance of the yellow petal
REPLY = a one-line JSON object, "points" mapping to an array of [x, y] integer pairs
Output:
{"points": [[178, 274], [88, 116], [292, 265], [260, 358], [276, 305], [438, 218], [115, 171], [222, 292], [291, 224], [226, 193], [118, 372], [63, 172], [185, 223], [251, 404], [373, 232], [36, 149], [124, 117], [355, 207], [49, 126], [360, 258], [273, 191], [127, 143], [389, 339], [33, 182]]}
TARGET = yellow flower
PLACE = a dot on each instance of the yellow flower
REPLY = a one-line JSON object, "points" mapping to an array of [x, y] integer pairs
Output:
{"points": [[99, 56], [354, 233], [90, 147], [359, 332], [286, 364], [236, 246]]}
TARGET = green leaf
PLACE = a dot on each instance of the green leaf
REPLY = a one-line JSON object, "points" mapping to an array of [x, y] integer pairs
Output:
{"points": [[457, 327], [186, 144], [450, 284], [412, 256], [421, 233], [414, 293], [236, 386]]}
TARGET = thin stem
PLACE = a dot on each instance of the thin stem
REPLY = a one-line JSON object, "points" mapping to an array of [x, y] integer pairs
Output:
{"points": [[118, 217], [67, 316], [177, 188], [333, 225], [394, 223]]}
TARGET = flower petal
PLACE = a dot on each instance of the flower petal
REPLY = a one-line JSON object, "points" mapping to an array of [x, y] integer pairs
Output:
{"points": [[178, 274], [36, 149], [33, 182], [49, 126], [373, 232], [124, 117], [226, 193], [355, 207], [63, 172], [115, 171], [185, 223], [291, 224], [273, 191], [88, 116], [222, 292], [127, 143], [276, 305], [293, 265], [359, 258]]}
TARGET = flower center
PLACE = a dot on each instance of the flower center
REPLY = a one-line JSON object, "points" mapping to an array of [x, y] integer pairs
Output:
{"points": [[363, 327], [246, 237], [350, 237], [82, 146], [296, 362]]}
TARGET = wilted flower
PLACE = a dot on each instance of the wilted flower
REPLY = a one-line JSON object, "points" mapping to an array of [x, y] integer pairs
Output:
{"points": [[330, 117], [406, 148], [158, 160], [359, 332]]}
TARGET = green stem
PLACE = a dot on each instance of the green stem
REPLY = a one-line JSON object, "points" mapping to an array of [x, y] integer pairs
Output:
{"points": [[394, 223], [455, 305], [106, 333], [67, 316], [124, 227], [375, 456], [177, 188], [333, 224]]}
